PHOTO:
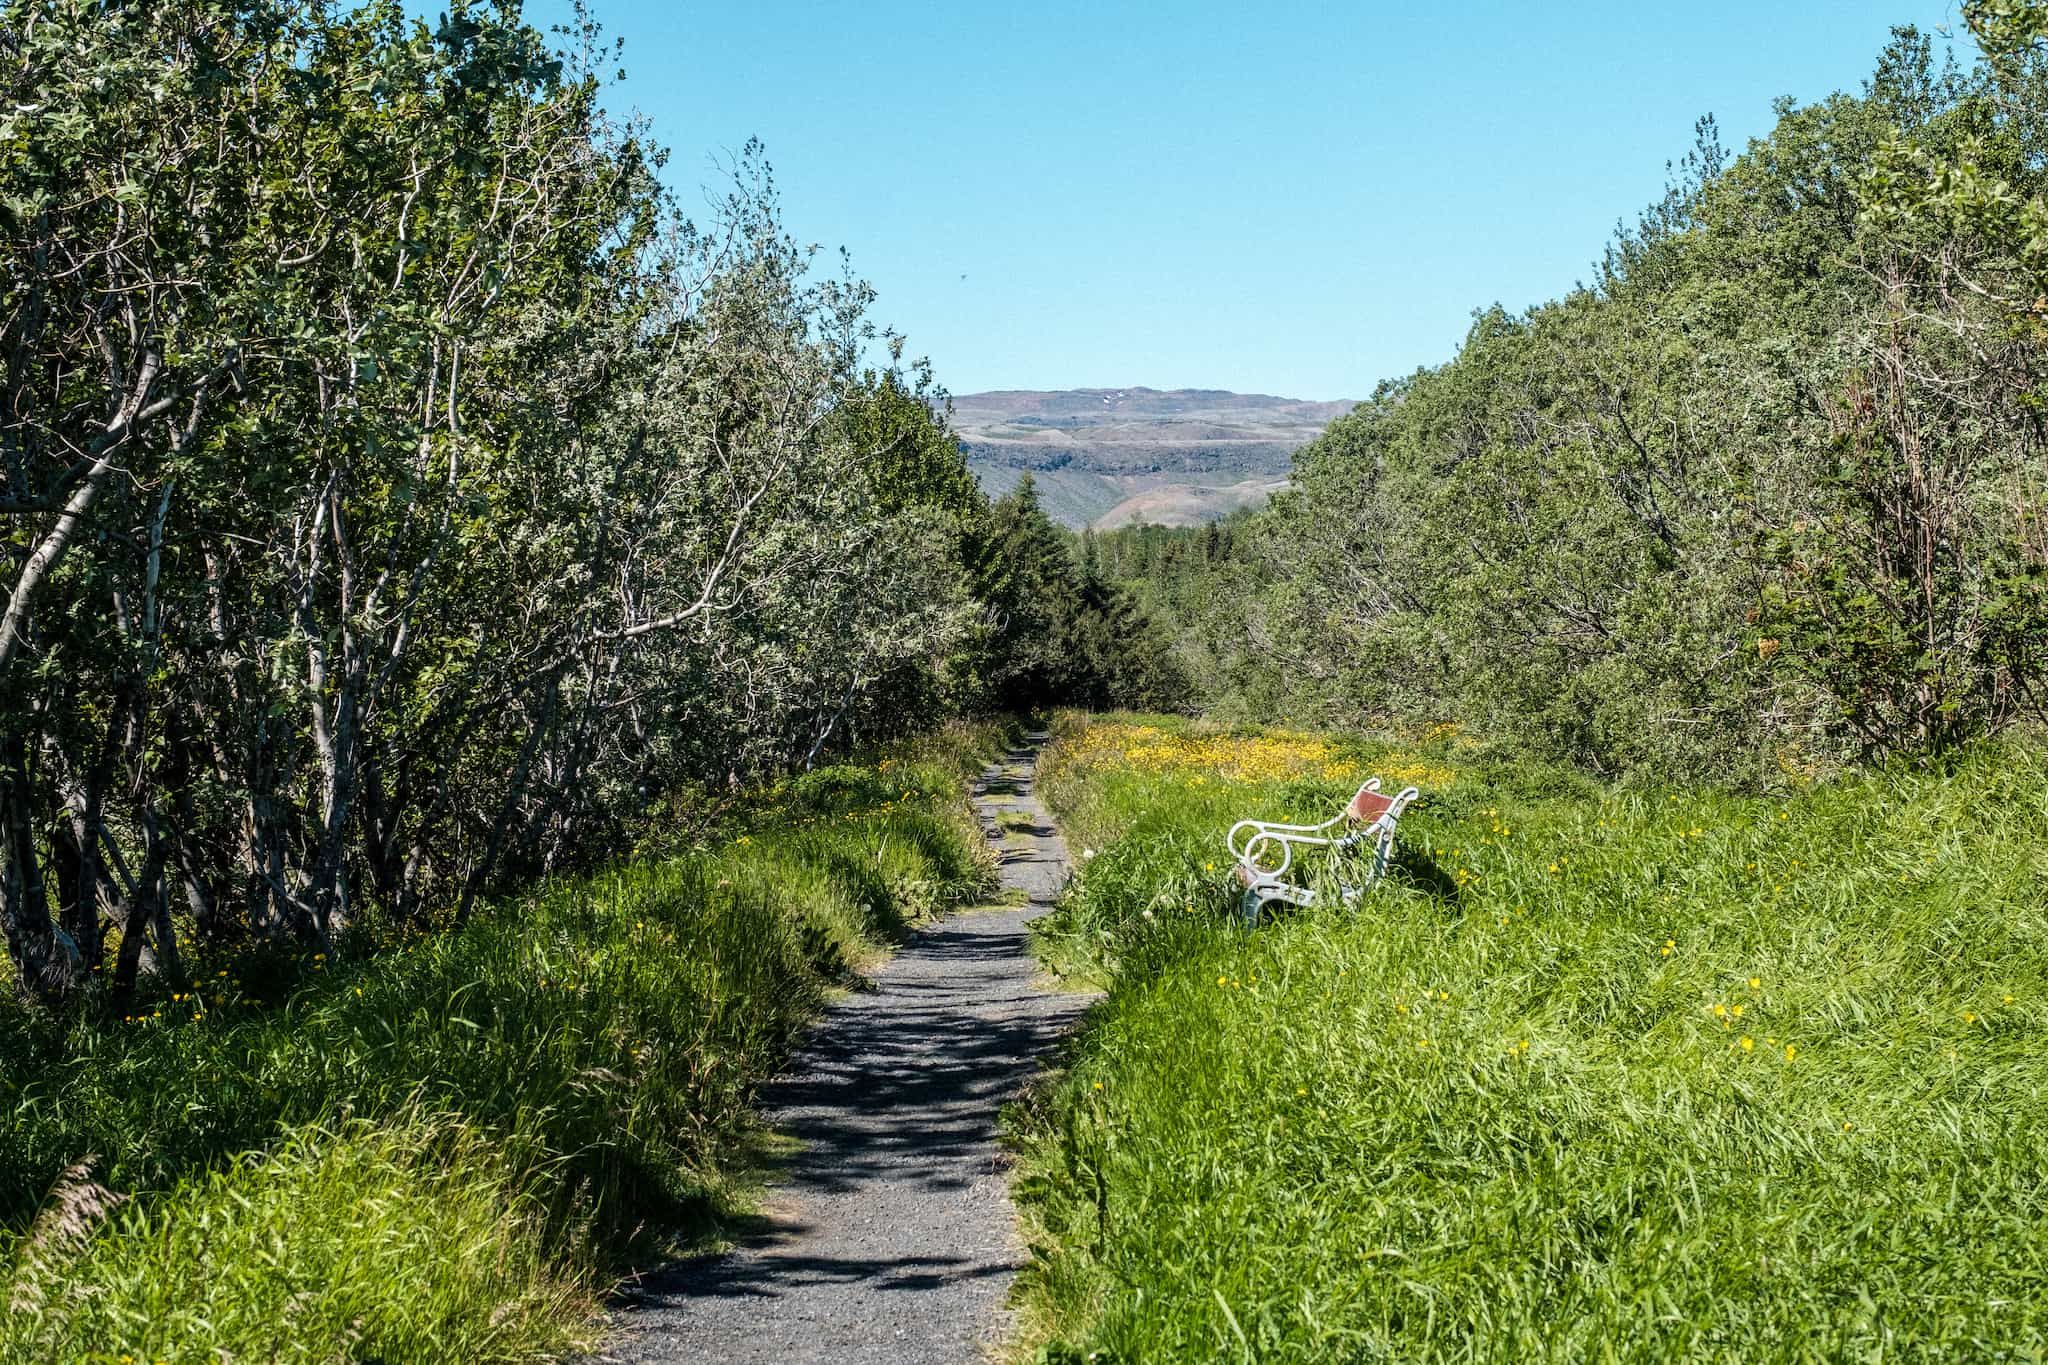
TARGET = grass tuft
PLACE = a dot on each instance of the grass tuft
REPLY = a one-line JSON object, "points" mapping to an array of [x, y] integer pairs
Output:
{"points": [[362, 1242]]}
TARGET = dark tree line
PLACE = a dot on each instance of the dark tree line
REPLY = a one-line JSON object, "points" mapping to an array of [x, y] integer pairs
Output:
{"points": [[1067, 634]]}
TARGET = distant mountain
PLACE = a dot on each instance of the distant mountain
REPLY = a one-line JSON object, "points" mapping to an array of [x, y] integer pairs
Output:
{"points": [[1112, 457]]}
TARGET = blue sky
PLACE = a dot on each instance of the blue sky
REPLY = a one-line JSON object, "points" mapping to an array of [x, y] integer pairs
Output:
{"points": [[1293, 198]]}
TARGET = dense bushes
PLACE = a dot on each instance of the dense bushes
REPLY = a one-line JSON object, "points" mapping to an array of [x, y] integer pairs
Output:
{"points": [[1649, 1075], [398, 495], [1765, 494]]}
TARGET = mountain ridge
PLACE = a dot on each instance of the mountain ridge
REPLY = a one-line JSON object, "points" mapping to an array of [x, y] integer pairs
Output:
{"points": [[1107, 457]]}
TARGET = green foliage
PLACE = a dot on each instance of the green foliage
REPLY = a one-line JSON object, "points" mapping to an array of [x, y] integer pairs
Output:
{"points": [[1636, 1074], [1200, 585], [404, 1242], [1064, 634], [1765, 493], [2007, 29], [585, 1055], [401, 494], [912, 458]]}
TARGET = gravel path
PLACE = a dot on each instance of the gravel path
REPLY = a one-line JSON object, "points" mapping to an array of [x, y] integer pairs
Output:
{"points": [[892, 1238]]}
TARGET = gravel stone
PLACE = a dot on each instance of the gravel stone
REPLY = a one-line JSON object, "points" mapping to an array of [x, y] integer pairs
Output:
{"points": [[892, 1237]]}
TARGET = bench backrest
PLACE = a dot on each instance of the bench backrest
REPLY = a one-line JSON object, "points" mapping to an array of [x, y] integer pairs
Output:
{"points": [[1369, 805]]}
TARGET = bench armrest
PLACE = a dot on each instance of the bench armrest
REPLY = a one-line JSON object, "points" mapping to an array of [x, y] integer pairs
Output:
{"points": [[1271, 827]]}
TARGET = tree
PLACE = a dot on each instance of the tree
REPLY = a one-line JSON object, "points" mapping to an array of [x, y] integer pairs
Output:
{"points": [[1765, 493], [397, 487]]}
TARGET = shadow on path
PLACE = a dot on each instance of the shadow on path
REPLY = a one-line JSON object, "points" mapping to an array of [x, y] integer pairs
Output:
{"points": [[891, 1237]]}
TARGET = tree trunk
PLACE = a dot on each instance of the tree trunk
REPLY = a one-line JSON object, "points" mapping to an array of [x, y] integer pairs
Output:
{"points": [[47, 963]]}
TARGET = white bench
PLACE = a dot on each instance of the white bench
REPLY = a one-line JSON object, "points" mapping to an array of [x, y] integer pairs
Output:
{"points": [[1264, 850]]}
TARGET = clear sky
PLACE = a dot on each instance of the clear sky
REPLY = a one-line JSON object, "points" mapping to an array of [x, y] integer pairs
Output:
{"points": [[1292, 198]]}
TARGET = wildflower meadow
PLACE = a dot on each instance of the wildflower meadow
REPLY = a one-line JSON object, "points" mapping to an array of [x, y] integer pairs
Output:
{"points": [[1698, 1075]]}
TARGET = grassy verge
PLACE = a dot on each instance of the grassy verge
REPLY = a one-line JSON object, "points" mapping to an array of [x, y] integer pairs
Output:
{"points": [[1598, 1074], [440, 1150]]}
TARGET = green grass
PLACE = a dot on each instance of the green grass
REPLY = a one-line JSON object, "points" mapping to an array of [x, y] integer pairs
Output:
{"points": [[1505, 1109], [370, 1242], [582, 1061]]}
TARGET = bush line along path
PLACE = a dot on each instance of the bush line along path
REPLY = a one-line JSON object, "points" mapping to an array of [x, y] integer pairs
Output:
{"points": [[893, 1238]]}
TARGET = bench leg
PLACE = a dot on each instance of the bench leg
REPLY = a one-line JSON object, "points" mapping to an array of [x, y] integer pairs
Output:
{"points": [[1253, 906]]}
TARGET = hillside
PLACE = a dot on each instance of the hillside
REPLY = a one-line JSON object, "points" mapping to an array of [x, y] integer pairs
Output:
{"points": [[1113, 457]]}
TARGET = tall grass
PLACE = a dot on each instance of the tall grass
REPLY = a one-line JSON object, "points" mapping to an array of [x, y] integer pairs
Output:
{"points": [[366, 1242], [1629, 1075], [581, 1060]]}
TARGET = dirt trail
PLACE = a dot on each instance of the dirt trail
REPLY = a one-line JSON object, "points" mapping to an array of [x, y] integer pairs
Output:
{"points": [[892, 1238]]}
